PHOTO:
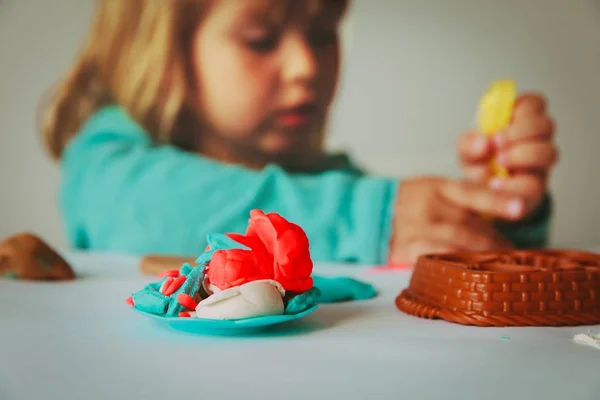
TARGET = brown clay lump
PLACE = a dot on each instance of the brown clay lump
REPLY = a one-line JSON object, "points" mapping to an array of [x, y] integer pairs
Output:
{"points": [[27, 257]]}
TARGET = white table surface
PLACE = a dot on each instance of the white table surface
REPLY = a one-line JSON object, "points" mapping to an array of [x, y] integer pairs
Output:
{"points": [[79, 340]]}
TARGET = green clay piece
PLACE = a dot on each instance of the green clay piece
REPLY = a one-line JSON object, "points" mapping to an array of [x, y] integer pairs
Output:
{"points": [[11, 275]]}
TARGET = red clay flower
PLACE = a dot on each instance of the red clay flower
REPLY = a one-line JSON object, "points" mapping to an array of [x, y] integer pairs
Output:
{"points": [[288, 246], [279, 251]]}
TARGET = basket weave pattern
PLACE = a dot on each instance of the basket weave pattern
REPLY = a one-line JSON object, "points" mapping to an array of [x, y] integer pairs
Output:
{"points": [[520, 288]]}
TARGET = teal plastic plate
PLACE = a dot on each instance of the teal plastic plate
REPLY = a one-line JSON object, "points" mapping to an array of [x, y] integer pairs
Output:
{"points": [[231, 327]]}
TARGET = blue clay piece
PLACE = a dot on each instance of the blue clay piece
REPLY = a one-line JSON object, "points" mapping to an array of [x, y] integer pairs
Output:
{"points": [[189, 287], [220, 241], [338, 289], [303, 301], [185, 269], [330, 290], [150, 301]]}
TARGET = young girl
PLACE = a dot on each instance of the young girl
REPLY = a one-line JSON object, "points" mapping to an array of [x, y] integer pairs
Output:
{"points": [[180, 116]]}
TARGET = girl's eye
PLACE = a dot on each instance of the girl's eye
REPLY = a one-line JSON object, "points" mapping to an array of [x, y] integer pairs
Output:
{"points": [[263, 45]]}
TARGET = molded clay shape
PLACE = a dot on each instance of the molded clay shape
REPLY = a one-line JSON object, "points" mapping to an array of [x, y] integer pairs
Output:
{"points": [[25, 256], [250, 300], [514, 288]]}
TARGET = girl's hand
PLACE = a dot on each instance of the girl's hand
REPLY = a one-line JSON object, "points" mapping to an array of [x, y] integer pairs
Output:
{"points": [[525, 148], [442, 215]]}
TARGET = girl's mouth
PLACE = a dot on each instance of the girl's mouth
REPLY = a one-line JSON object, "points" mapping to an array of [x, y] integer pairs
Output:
{"points": [[297, 116]]}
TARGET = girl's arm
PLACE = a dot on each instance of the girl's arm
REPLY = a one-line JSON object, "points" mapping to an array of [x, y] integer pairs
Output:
{"points": [[121, 193]]}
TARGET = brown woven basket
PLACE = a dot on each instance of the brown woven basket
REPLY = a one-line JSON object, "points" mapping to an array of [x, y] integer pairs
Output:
{"points": [[517, 288]]}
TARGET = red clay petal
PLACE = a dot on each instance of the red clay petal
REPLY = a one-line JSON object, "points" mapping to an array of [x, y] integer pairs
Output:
{"points": [[166, 284], [175, 284], [230, 268], [184, 314], [264, 228], [172, 273], [185, 300], [263, 261]]}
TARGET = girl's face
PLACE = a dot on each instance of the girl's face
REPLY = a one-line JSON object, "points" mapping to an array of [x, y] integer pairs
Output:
{"points": [[266, 72]]}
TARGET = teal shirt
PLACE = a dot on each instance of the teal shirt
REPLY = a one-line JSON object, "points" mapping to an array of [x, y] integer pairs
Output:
{"points": [[121, 192]]}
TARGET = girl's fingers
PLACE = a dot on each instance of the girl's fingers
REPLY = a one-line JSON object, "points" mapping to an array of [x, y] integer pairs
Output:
{"points": [[528, 105], [535, 155], [531, 187], [462, 228], [477, 172], [421, 236], [533, 128], [483, 200], [473, 147]]}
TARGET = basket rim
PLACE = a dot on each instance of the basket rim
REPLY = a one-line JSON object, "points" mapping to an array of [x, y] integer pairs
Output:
{"points": [[582, 262]]}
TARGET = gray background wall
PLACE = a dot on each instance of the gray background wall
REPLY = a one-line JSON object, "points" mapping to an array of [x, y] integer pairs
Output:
{"points": [[414, 72]]}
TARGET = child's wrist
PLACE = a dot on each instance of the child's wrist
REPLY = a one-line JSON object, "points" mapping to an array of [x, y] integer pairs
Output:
{"points": [[540, 213], [531, 231]]}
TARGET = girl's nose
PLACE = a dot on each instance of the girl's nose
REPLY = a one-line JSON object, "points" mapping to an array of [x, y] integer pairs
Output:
{"points": [[299, 61]]}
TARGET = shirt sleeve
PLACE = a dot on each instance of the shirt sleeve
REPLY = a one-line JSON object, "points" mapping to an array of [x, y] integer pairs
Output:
{"points": [[119, 192]]}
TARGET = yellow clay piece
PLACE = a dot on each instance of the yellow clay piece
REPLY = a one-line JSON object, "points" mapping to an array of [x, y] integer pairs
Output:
{"points": [[495, 113]]}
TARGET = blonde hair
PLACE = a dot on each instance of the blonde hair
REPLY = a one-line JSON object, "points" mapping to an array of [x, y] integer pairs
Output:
{"points": [[136, 55]]}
